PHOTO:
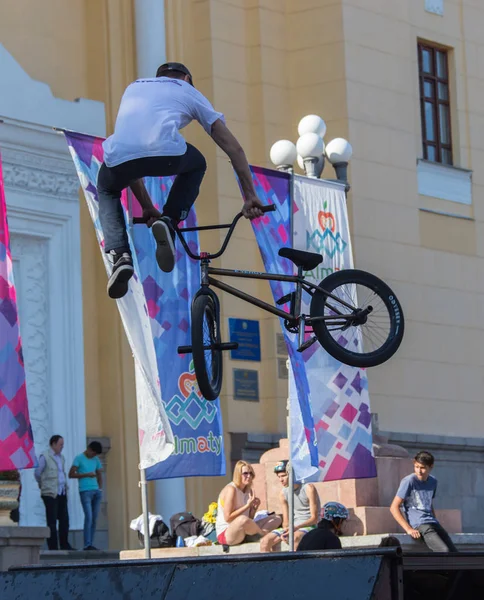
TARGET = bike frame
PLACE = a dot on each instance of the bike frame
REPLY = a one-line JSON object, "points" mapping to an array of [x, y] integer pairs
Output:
{"points": [[295, 317]]}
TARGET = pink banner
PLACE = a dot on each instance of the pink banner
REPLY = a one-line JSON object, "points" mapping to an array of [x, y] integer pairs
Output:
{"points": [[16, 440]]}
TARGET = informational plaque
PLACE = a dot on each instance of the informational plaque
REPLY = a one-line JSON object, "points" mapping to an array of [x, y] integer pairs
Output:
{"points": [[247, 334], [282, 371], [281, 348], [246, 385]]}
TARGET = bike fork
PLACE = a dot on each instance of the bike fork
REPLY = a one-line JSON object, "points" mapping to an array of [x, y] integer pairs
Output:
{"points": [[205, 261], [302, 345]]}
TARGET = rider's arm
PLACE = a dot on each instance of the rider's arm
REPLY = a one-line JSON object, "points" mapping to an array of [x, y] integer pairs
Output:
{"points": [[224, 138]]}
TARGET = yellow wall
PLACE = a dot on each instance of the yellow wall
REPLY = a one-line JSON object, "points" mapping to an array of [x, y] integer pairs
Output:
{"points": [[433, 261], [267, 63]]}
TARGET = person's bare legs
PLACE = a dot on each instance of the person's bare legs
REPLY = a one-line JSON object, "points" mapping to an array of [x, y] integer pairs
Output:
{"points": [[298, 536], [268, 524], [270, 542], [239, 528]]}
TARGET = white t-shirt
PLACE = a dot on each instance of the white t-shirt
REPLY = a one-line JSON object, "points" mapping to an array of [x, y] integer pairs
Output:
{"points": [[151, 113]]}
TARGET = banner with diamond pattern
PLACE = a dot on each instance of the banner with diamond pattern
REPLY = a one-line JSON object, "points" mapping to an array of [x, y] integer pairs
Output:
{"points": [[16, 439], [330, 410], [180, 433], [274, 231], [339, 396]]}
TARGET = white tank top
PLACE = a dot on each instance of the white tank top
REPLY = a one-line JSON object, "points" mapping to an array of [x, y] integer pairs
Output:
{"points": [[241, 499]]}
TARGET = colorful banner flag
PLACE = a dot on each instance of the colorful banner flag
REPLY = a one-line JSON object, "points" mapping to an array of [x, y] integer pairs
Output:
{"points": [[338, 393], [273, 231], [330, 413], [195, 422], [16, 439], [181, 434]]}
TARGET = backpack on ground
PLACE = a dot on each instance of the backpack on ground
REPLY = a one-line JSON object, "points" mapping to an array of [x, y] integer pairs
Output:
{"points": [[185, 525], [160, 538]]}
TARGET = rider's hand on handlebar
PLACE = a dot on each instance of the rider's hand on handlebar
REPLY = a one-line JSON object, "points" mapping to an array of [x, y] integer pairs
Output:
{"points": [[252, 208], [151, 215]]}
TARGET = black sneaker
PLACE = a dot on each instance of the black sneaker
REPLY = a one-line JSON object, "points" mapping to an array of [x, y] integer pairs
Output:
{"points": [[165, 239], [122, 272]]}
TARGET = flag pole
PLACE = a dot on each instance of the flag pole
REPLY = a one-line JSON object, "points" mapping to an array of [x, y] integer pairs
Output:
{"points": [[142, 483], [144, 505], [288, 364], [291, 478]]}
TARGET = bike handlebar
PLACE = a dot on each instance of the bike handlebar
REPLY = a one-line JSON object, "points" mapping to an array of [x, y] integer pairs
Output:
{"points": [[229, 226], [265, 209]]}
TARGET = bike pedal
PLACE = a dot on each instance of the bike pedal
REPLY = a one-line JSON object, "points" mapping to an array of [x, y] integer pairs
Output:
{"points": [[184, 349], [228, 346], [307, 344]]}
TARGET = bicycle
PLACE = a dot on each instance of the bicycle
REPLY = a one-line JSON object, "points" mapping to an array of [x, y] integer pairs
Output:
{"points": [[333, 310]]}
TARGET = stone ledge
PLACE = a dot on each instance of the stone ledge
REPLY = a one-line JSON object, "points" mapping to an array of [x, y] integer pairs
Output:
{"points": [[463, 541], [21, 545], [17, 536], [67, 556]]}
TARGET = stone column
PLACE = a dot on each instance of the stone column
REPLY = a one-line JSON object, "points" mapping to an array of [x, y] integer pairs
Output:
{"points": [[150, 36]]}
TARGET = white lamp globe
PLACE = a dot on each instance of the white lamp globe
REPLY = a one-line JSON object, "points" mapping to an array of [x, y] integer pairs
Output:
{"points": [[283, 153], [339, 151], [300, 162], [310, 145], [312, 124]]}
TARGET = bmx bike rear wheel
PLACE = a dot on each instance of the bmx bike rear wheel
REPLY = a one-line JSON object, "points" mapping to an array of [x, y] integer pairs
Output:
{"points": [[207, 358], [367, 329]]}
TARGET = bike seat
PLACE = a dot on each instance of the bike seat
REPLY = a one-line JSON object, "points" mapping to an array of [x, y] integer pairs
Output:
{"points": [[307, 260]]}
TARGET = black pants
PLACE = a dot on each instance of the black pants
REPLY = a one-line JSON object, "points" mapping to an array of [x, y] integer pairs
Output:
{"points": [[189, 169], [56, 510], [436, 538]]}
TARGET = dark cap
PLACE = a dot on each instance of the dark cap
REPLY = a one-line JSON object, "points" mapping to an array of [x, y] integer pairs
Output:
{"points": [[174, 66]]}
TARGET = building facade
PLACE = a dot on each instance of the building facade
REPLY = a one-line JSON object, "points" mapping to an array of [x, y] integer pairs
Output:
{"points": [[402, 80]]}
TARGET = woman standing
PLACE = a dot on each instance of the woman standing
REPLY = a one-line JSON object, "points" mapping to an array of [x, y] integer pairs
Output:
{"points": [[237, 506]]}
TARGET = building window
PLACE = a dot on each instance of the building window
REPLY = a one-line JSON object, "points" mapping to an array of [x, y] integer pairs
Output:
{"points": [[434, 103]]}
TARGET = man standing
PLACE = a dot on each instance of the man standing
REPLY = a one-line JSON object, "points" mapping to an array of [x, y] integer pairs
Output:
{"points": [[306, 510], [87, 468], [52, 480]]}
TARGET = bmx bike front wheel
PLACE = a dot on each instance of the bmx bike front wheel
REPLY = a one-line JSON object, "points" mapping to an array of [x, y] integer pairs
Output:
{"points": [[207, 358]]}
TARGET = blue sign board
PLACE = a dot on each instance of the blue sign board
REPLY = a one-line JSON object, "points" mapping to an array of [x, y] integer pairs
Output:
{"points": [[246, 333], [246, 385]]}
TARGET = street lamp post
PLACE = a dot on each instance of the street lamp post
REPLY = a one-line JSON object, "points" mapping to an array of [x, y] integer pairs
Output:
{"points": [[310, 151]]}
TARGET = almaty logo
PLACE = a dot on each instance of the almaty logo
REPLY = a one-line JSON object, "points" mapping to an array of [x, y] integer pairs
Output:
{"points": [[189, 405], [326, 241]]}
